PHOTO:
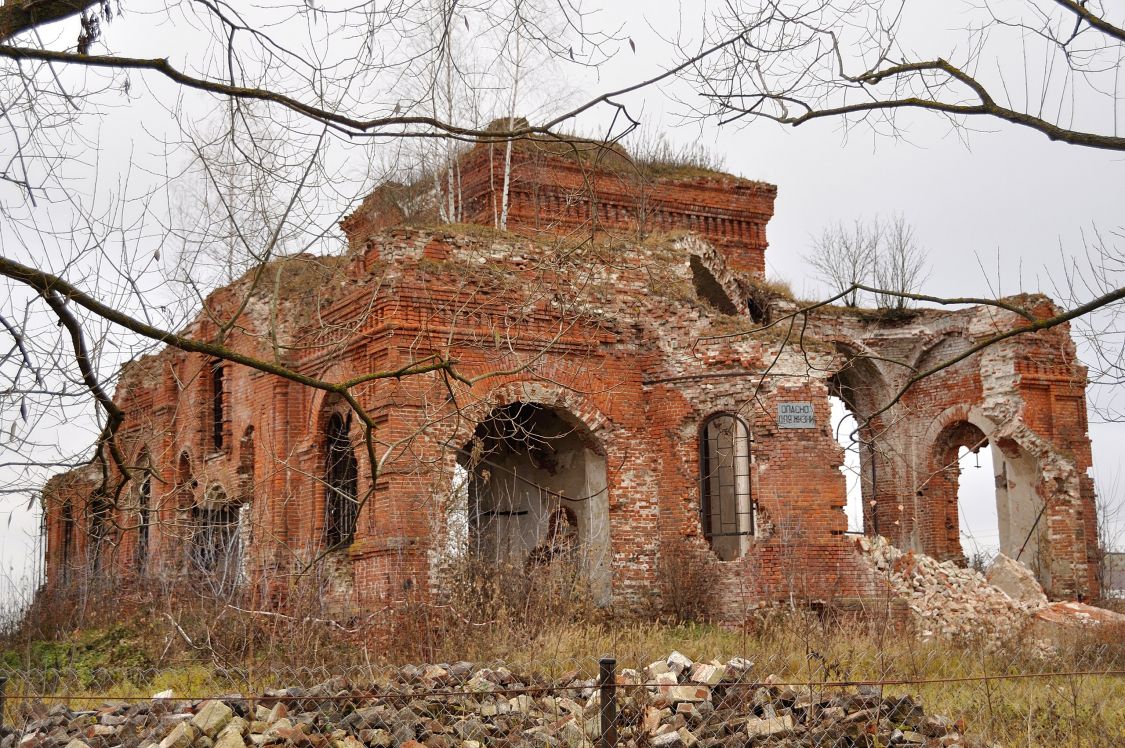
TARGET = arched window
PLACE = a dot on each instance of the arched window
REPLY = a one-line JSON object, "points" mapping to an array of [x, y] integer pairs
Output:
{"points": [[726, 505], [66, 520], [144, 517], [101, 515], [218, 406], [341, 478]]}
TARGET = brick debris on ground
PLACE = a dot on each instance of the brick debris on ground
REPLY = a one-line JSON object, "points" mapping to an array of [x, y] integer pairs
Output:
{"points": [[672, 703]]}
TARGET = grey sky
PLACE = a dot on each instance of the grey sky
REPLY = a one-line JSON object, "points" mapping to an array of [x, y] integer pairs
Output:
{"points": [[1003, 214]]}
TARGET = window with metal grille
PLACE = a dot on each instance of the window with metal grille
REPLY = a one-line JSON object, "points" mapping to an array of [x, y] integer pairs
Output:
{"points": [[218, 406], [726, 504], [216, 548], [341, 479]]}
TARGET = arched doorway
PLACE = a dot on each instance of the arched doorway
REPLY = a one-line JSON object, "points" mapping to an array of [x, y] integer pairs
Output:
{"points": [[980, 498], [537, 477]]}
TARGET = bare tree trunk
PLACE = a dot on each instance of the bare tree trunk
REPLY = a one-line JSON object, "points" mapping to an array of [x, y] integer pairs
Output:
{"points": [[512, 101]]}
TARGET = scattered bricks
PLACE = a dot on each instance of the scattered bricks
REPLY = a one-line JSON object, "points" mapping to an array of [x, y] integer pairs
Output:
{"points": [[708, 675], [480, 684], [758, 728], [1016, 580], [687, 738], [229, 739], [653, 718], [436, 674], [212, 717], [671, 739], [274, 730], [377, 738], [76, 744], [521, 703], [679, 663], [936, 726], [238, 725], [740, 665], [947, 601], [182, 736], [628, 677], [689, 693], [422, 716], [572, 735]]}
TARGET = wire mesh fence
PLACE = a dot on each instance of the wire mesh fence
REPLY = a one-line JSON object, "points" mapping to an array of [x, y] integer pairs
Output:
{"points": [[597, 701]]}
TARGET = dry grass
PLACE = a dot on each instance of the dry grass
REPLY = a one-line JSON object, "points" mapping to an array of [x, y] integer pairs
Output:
{"points": [[134, 648]]}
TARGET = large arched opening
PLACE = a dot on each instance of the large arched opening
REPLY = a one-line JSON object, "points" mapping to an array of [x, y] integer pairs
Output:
{"points": [[537, 492], [981, 499], [856, 391]]}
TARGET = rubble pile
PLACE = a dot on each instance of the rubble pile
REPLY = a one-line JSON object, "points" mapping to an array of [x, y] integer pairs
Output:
{"points": [[672, 703], [947, 600]]}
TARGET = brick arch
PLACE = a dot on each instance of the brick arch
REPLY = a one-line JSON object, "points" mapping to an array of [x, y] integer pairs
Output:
{"points": [[863, 387], [595, 421], [578, 482], [216, 489], [1020, 506], [324, 405], [940, 525]]}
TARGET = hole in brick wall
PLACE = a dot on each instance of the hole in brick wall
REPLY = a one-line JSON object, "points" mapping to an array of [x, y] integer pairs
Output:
{"points": [[980, 500], [708, 288], [844, 428], [976, 505]]}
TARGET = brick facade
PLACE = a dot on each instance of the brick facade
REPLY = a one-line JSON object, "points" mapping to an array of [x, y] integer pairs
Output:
{"points": [[628, 307]]}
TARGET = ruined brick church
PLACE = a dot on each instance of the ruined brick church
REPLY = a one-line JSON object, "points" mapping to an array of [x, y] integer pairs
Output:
{"points": [[610, 378]]}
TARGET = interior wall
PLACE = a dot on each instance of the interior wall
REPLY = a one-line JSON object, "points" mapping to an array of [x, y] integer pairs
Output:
{"points": [[1020, 509], [519, 483]]}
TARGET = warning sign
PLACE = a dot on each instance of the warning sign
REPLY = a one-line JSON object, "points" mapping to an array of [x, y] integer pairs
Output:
{"points": [[796, 416]]}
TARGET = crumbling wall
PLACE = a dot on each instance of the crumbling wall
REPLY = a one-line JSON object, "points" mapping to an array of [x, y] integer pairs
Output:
{"points": [[634, 342], [1023, 398]]}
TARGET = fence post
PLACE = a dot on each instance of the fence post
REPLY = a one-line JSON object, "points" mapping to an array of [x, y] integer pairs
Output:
{"points": [[607, 694], [3, 699]]}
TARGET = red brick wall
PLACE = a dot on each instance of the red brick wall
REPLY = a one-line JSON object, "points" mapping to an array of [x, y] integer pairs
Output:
{"points": [[611, 333]]}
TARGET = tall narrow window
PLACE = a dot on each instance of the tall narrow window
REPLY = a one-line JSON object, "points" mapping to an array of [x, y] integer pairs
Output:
{"points": [[66, 520], [144, 499], [726, 506], [218, 406], [340, 507], [100, 517]]}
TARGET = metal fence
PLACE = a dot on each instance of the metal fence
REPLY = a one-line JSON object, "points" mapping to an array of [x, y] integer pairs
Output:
{"points": [[594, 702]]}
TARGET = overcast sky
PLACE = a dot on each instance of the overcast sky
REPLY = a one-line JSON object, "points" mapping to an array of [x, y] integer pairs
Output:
{"points": [[1001, 213]]}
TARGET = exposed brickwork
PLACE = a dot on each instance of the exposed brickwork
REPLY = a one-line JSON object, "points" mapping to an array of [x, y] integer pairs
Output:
{"points": [[611, 335]]}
